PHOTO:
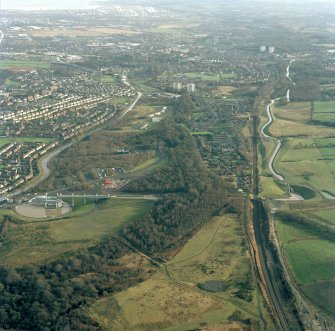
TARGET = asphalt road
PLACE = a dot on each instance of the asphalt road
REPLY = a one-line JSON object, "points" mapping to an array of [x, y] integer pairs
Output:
{"points": [[45, 171]]}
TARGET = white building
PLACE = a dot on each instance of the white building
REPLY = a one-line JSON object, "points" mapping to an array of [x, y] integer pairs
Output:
{"points": [[190, 88], [177, 86], [271, 49], [262, 48]]}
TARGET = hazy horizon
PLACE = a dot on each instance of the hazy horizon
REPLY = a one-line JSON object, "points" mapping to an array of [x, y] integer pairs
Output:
{"points": [[66, 4]]}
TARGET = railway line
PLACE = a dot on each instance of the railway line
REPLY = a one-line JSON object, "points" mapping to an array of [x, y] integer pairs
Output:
{"points": [[267, 271]]}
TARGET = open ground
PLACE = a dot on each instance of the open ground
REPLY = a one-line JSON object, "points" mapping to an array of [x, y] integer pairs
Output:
{"points": [[29, 240], [214, 259]]}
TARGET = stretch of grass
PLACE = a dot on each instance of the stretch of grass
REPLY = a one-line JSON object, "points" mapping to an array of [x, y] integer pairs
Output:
{"points": [[108, 79], [309, 162], [294, 111], [201, 133], [207, 77], [323, 293], [227, 76], [37, 242], [324, 107], [311, 260], [310, 257], [8, 140], [163, 303], [327, 215], [270, 188], [23, 64], [147, 164]]}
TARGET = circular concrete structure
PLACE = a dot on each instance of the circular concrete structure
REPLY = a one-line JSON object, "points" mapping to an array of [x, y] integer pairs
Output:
{"points": [[35, 211]]}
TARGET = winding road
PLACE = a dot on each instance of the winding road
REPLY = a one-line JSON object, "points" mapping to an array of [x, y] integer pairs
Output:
{"points": [[44, 162], [278, 142], [1, 37]]}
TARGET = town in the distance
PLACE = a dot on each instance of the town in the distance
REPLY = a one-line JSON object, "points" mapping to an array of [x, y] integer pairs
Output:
{"points": [[167, 166]]}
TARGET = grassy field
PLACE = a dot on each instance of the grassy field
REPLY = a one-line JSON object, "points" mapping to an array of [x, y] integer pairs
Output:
{"points": [[326, 215], [23, 64], [108, 79], [308, 162], [294, 111], [323, 293], [269, 187], [144, 85], [312, 261], [202, 76], [293, 120], [83, 31], [36, 242], [8, 140], [121, 100], [201, 133], [171, 299], [227, 76], [324, 111], [225, 89], [286, 129], [146, 165], [324, 107], [9, 82]]}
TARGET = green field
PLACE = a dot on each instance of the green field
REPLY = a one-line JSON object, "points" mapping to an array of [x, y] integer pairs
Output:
{"points": [[227, 76], [294, 111], [327, 215], [171, 299], [309, 163], [312, 261], [36, 242], [269, 186], [324, 107], [293, 120], [202, 76], [323, 293], [324, 111], [23, 64], [147, 164], [108, 79], [8, 140], [9, 82], [201, 133]]}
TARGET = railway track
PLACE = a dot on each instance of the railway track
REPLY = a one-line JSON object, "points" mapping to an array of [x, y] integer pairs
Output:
{"points": [[267, 271]]}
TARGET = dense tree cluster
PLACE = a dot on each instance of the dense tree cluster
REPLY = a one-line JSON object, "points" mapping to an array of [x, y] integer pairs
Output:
{"points": [[194, 195], [51, 297], [307, 76]]}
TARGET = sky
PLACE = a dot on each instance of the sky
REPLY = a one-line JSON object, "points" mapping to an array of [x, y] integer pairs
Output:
{"points": [[44, 4], [60, 4]]}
